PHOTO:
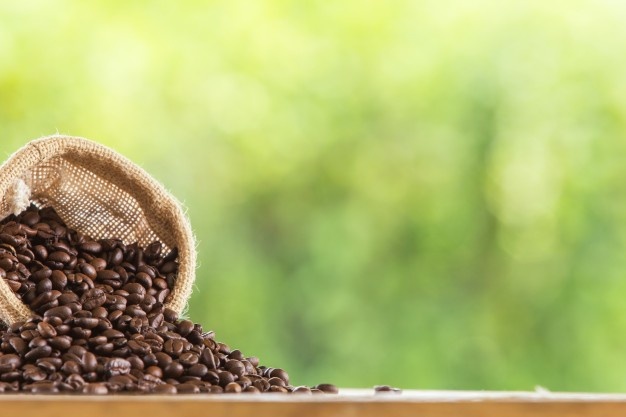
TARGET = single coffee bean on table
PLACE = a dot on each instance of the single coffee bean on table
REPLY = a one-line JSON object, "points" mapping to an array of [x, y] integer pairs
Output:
{"points": [[100, 325]]}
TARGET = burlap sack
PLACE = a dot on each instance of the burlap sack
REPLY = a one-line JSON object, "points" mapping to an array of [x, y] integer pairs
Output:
{"points": [[101, 194]]}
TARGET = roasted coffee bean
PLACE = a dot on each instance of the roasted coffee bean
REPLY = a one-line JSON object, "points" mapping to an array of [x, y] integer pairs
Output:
{"points": [[46, 330], [188, 359], [187, 388], [279, 373], [380, 389], [59, 256], [302, 390], [173, 370], [225, 378], [117, 366], [58, 280], [38, 352], [185, 327], [329, 388], [9, 363], [95, 389], [235, 367], [165, 389], [63, 312], [18, 345]]}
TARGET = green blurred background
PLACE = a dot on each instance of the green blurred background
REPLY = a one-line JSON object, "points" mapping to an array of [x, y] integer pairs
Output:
{"points": [[418, 193]]}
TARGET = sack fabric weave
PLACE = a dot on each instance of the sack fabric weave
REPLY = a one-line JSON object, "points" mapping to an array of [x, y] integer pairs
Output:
{"points": [[101, 194]]}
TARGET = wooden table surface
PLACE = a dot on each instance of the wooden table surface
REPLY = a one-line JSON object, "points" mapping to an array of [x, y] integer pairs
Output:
{"points": [[348, 402]]}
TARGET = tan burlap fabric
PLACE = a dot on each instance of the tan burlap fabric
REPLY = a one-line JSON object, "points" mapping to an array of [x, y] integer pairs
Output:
{"points": [[101, 194]]}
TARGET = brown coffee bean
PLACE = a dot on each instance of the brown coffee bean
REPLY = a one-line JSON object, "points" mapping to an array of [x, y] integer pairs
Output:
{"points": [[43, 286], [386, 389], [59, 256], [43, 387], [187, 389], [60, 342], [328, 388], [235, 367], [139, 347], [38, 352], [232, 388], [91, 247], [9, 363], [113, 334], [207, 358], [63, 312], [188, 359], [18, 345], [117, 366], [173, 347], [89, 362], [277, 381], [165, 389], [71, 367], [173, 370], [225, 378], [88, 270], [58, 280], [93, 298], [46, 330], [95, 389], [107, 275], [279, 373]]}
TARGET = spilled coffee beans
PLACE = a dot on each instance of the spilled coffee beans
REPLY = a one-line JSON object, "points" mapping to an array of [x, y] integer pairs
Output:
{"points": [[100, 325]]}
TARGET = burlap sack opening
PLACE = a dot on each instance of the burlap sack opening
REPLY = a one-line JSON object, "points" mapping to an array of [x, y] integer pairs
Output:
{"points": [[101, 194]]}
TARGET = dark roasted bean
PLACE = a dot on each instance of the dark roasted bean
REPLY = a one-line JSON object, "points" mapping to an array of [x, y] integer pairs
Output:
{"points": [[63, 312], [329, 388], [46, 330]]}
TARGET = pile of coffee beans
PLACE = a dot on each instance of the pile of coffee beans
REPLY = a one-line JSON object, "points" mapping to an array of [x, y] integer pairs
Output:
{"points": [[100, 325]]}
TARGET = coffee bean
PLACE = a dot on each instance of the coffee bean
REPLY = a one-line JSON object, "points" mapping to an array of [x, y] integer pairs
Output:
{"points": [[185, 327], [165, 389], [187, 389], [117, 366], [329, 388], [232, 388], [88, 270], [38, 352], [208, 359], [235, 367], [91, 246], [43, 387], [279, 373], [95, 389], [188, 359], [18, 345], [59, 256], [46, 330], [93, 298], [63, 312], [225, 378], [58, 280], [173, 370], [9, 363], [71, 367], [381, 389]]}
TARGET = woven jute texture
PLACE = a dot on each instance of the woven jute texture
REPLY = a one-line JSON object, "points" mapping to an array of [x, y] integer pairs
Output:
{"points": [[101, 194]]}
